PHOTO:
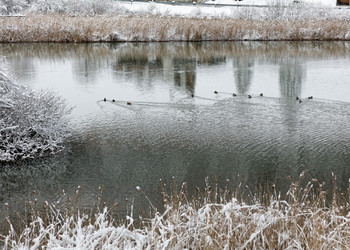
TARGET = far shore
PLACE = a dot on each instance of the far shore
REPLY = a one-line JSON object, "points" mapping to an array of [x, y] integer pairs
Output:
{"points": [[152, 28]]}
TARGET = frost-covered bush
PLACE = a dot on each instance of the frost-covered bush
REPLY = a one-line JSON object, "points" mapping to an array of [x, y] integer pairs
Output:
{"points": [[73, 7], [99, 7], [49, 6], [288, 11], [8, 7], [32, 123]]}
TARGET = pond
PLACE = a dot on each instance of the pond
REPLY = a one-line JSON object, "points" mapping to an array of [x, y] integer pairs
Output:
{"points": [[168, 123]]}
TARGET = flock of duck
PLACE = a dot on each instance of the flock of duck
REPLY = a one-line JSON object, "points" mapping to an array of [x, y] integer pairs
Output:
{"points": [[113, 100], [300, 101], [216, 92], [261, 94]]}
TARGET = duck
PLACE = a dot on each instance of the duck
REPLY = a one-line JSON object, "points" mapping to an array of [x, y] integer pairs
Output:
{"points": [[310, 97], [105, 99], [297, 98], [261, 94], [234, 94], [128, 103], [113, 100], [249, 96], [215, 92], [192, 95], [300, 101]]}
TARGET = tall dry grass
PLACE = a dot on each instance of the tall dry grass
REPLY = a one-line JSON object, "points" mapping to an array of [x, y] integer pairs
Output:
{"points": [[61, 28], [212, 218]]}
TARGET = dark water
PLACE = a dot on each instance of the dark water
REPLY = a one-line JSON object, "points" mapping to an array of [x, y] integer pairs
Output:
{"points": [[167, 133]]}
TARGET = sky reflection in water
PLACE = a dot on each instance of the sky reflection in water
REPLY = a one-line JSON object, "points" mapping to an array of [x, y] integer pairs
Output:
{"points": [[166, 132]]}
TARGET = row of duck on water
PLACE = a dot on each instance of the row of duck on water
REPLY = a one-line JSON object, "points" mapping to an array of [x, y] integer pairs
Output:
{"points": [[261, 94], [300, 101], [113, 100], [234, 94], [216, 92]]}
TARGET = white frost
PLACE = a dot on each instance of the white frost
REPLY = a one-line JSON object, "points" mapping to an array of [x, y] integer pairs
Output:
{"points": [[221, 226], [99, 7], [31, 123]]}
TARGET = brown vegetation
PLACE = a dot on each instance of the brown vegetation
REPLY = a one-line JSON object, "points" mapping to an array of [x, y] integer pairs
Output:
{"points": [[60, 28], [213, 218]]}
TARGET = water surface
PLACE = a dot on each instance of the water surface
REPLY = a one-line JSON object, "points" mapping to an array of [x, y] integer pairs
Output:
{"points": [[167, 133]]}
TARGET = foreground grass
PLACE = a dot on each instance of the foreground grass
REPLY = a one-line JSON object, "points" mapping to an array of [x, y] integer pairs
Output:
{"points": [[62, 28], [210, 219]]}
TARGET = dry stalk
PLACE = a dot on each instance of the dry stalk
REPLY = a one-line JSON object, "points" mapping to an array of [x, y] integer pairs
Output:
{"points": [[61, 28]]}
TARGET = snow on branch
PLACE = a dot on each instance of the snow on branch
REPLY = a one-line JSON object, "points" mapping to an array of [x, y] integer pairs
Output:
{"points": [[32, 123]]}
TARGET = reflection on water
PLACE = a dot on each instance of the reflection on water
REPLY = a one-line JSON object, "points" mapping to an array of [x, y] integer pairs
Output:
{"points": [[166, 132], [185, 73], [292, 73], [243, 74]]}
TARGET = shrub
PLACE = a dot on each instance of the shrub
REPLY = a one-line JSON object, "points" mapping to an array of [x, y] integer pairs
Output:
{"points": [[32, 123]]}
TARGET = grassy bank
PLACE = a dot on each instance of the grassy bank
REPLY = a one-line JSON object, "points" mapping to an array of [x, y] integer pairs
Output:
{"points": [[106, 28], [212, 218]]}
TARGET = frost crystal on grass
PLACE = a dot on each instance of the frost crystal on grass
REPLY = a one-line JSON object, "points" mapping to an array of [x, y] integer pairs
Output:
{"points": [[31, 122], [202, 222]]}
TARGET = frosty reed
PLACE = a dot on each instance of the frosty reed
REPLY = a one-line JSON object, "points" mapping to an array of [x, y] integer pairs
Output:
{"points": [[210, 218], [108, 28]]}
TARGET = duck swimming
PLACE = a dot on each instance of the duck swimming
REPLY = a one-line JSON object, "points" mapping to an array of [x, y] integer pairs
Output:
{"points": [[261, 94], [249, 96], [104, 99], [113, 100], [215, 92], [234, 94], [128, 103]]}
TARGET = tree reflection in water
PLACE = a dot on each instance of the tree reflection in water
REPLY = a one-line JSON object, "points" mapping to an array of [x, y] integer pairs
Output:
{"points": [[166, 133]]}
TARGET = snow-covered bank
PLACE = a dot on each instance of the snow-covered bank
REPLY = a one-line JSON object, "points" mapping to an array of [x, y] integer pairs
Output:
{"points": [[225, 8], [98, 7], [31, 123], [315, 3], [212, 219]]}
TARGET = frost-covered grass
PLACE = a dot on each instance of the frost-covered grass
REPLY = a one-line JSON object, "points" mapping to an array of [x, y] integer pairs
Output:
{"points": [[31, 122], [107, 21], [60, 28], [209, 219]]}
